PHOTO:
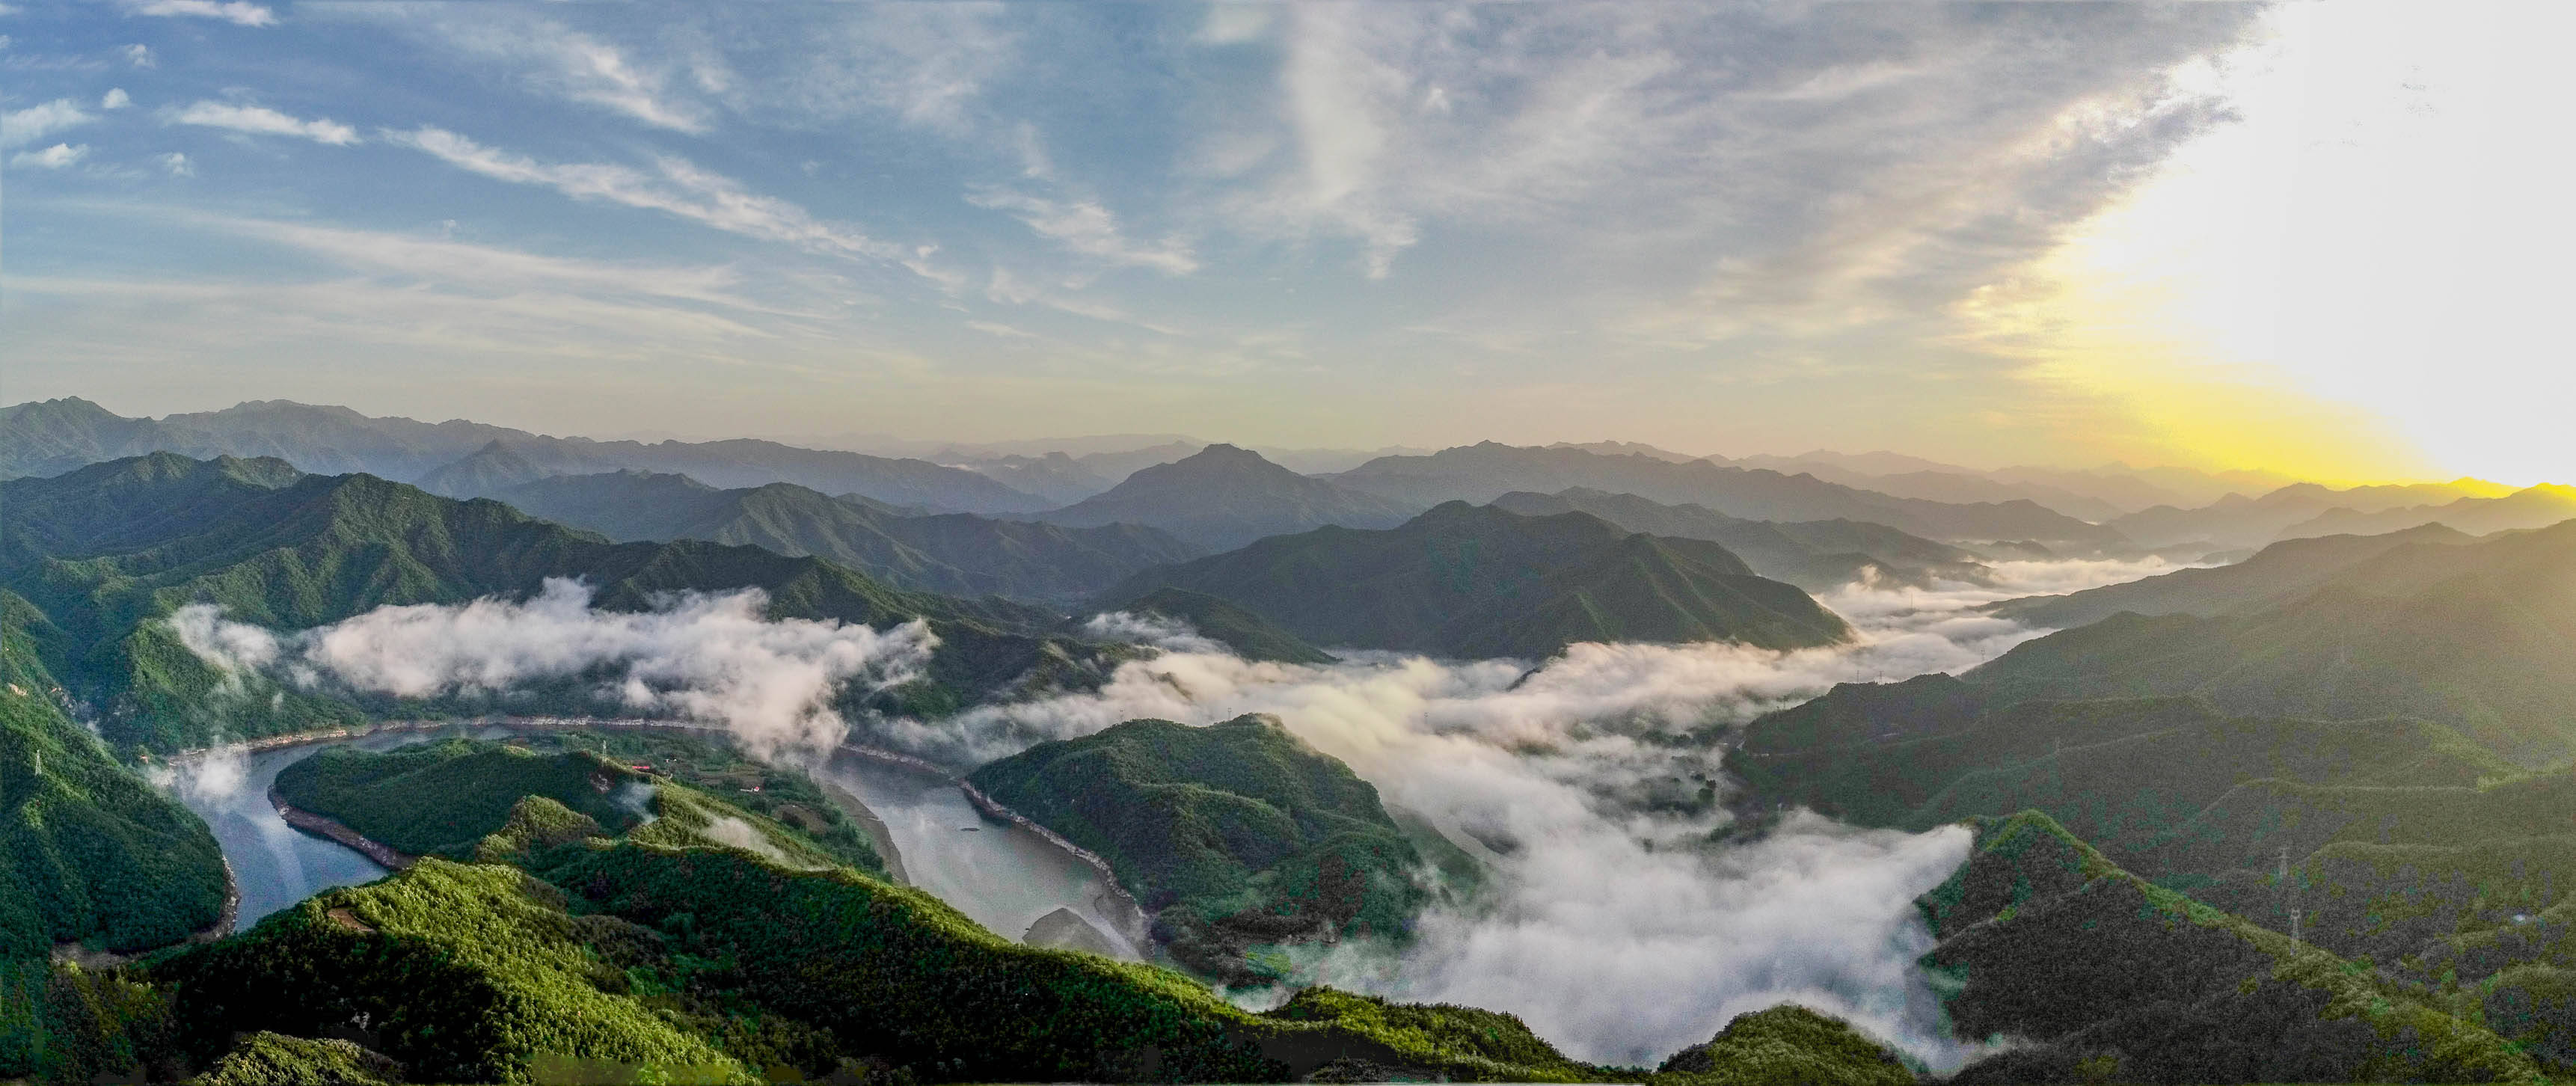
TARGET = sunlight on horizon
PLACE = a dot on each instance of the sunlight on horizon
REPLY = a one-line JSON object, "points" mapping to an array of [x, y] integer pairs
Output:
{"points": [[2345, 283]]}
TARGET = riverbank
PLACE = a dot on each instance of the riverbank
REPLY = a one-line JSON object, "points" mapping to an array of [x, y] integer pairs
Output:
{"points": [[1117, 906], [331, 828]]}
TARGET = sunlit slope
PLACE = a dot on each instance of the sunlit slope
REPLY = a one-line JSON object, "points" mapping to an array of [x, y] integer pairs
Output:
{"points": [[957, 553], [290, 553], [1473, 581], [709, 962], [2044, 940], [2474, 636], [2270, 575], [1237, 833]]}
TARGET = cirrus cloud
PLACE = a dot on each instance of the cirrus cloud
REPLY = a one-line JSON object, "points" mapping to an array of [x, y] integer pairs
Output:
{"points": [[262, 121]]}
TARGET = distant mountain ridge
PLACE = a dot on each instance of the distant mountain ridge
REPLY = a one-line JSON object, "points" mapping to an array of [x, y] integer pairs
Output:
{"points": [[1483, 472], [1814, 555], [2239, 521], [55, 436], [2532, 507], [954, 553], [1477, 581], [1225, 496]]}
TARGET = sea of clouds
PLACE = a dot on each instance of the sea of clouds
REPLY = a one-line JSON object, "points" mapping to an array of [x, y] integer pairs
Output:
{"points": [[1612, 926]]}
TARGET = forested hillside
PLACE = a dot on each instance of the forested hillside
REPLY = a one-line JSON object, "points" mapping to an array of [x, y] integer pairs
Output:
{"points": [[1466, 580], [294, 552], [1237, 834]]}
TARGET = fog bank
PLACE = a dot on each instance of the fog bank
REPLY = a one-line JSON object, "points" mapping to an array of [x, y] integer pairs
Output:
{"points": [[1616, 928], [708, 658]]}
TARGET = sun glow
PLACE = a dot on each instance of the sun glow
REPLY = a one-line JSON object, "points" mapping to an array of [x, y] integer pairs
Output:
{"points": [[2359, 279]]}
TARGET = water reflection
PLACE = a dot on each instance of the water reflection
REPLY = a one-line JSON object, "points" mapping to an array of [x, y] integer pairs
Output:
{"points": [[274, 865], [1002, 876], [998, 874]]}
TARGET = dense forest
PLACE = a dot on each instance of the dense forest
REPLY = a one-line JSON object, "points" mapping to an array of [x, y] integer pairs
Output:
{"points": [[1237, 835]]}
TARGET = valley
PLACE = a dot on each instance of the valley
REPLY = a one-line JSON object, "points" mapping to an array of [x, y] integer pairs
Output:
{"points": [[1380, 790]]}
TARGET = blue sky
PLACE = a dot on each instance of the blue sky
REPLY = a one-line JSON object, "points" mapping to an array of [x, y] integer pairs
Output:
{"points": [[1724, 229]]}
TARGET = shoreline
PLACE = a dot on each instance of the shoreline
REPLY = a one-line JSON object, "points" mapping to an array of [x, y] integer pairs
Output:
{"points": [[1131, 914], [331, 829]]}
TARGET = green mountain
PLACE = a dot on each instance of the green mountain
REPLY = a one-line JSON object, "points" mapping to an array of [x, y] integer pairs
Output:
{"points": [[957, 553], [2104, 976], [1250, 636], [2278, 571], [318, 549], [1785, 1044], [1814, 555], [2475, 636], [1486, 471], [1237, 834], [694, 955], [1476, 581], [89, 852], [447, 798], [2470, 635], [2128, 775], [1224, 497], [56, 436]]}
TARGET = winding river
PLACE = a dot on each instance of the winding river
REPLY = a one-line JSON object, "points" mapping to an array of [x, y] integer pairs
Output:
{"points": [[1004, 876]]}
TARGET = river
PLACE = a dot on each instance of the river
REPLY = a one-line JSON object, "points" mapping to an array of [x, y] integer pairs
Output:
{"points": [[1001, 875]]}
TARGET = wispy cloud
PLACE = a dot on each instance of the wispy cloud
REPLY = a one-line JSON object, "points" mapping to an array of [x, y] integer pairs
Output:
{"points": [[555, 59], [176, 164], [487, 267], [261, 120], [138, 55], [1085, 227], [115, 98], [38, 121], [676, 187], [237, 12], [56, 157]]}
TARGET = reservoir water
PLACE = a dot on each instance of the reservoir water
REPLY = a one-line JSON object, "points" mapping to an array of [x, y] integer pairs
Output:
{"points": [[999, 874], [274, 865]]}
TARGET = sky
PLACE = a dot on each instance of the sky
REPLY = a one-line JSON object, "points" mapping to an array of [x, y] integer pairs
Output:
{"points": [[2328, 240]]}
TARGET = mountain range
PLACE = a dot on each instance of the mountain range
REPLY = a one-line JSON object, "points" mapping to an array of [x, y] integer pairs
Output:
{"points": [[1477, 581], [953, 553], [2532, 507], [1816, 555], [1223, 497], [460, 458], [1483, 472], [100, 554], [2237, 521]]}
